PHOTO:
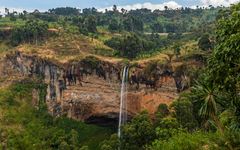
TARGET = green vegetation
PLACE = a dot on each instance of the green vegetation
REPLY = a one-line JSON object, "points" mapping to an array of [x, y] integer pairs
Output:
{"points": [[181, 141], [25, 127], [204, 43], [132, 34], [204, 117], [32, 31], [207, 116]]}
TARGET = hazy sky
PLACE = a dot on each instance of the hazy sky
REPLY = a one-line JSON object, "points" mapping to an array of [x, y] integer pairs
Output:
{"points": [[128, 4]]}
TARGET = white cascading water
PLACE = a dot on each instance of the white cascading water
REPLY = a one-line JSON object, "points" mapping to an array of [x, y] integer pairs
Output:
{"points": [[123, 101]]}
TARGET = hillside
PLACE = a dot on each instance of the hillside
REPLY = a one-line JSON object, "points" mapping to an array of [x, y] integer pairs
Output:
{"points": [[167, 79]]}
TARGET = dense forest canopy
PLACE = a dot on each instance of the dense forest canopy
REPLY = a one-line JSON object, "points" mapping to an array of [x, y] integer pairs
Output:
{"points": [[143, 27]]}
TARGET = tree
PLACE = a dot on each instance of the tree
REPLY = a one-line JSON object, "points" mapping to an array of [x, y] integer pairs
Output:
{"points": [[129, 46], [21, 16], [17, 36], [7, 11], [177, 50], [115, 43], [74, 139], [137, 133], [12, 17], [114, 25], [128, 24], [167, 128], [65, 11], [124, 11], [157, 27], [171, 28], [132, 45], [112, 144], [25, 12], [138, 24], [162, 111], [224, 62], [188, 141], [204, 43], [166, 7], [91, 24], [208, 98], [209, 105], [133, 23], [31, 31], [183, 111], [115, 8]]}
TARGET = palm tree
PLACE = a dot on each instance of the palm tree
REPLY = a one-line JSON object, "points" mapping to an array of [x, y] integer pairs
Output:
{"points": [[208, 97], [165, 8], [25, 12], [7, 11], [209, 106]]}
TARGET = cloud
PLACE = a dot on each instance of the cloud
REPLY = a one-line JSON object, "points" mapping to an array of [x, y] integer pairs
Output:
{"points": [[148, 5], [219, 2], [2, 9], [19, 10], [172, 4]]}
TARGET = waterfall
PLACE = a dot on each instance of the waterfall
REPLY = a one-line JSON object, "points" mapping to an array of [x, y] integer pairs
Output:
{"points": [[123, 101]]}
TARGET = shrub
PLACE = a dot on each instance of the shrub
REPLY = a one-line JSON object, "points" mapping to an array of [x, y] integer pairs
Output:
{"points": [[187, 141], [137, 133], [184, 113]]}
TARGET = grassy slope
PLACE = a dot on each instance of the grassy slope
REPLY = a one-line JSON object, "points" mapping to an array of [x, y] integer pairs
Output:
{"points": [[66, 46], [70, 45], [24, 127], [4, 48], [6, 22], [188, 48]]}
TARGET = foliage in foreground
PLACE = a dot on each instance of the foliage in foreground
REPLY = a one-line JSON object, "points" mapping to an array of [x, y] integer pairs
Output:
{"points": [[182, 141], [207, 117], [25, 127]]}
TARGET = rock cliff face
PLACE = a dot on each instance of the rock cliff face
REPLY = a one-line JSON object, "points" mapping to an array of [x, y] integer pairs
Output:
{"points": [[89, 90]]}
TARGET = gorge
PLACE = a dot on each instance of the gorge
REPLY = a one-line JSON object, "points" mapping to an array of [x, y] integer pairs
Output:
{"points": [[119, 79], [89, 90]]}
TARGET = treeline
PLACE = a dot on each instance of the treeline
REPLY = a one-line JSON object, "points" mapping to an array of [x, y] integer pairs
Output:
{"points": [[31, 32], [145, 20], [140, 20], [139, 28], [133, 45]]}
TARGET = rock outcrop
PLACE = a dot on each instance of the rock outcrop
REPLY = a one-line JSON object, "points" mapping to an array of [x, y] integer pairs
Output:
{"points": [[89, 89]]}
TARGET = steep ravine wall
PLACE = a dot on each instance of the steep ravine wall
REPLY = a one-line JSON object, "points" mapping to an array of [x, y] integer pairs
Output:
{"points": [[89, 90]]}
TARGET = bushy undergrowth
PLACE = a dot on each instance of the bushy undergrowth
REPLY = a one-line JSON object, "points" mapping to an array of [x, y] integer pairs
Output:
{"points": [[25, 127], [188, 141]]}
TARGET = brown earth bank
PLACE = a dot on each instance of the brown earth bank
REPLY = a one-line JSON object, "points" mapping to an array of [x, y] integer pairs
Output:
{"points": [[89, 89]]}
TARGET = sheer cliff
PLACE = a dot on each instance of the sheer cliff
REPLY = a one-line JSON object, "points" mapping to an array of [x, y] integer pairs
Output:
{"points": [[89, 89]]}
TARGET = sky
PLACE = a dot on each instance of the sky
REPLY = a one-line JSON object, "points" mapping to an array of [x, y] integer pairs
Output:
{"points": [[44, 5]]}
